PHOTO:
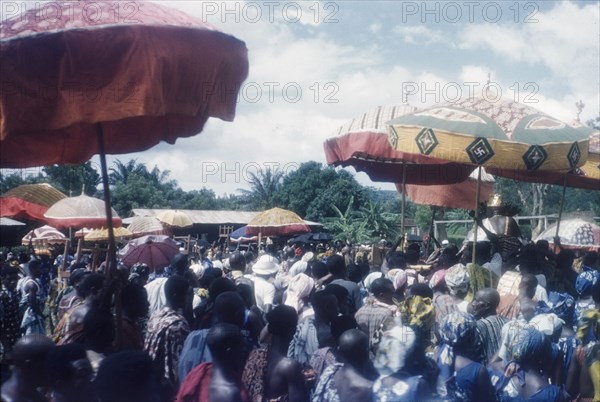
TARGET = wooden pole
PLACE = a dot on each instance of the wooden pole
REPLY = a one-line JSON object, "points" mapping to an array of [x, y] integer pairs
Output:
{"points": [[403, 206], [475, 228], [111, 260], [560, 211]]}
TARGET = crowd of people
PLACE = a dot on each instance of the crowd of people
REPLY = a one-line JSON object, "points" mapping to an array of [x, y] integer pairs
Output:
{"points": [[296, 325]]}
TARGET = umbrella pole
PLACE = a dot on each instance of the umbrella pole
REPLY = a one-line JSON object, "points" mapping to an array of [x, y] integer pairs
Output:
{"points": [[475, 228], [560, 210], [111, 256], [403, 206]]}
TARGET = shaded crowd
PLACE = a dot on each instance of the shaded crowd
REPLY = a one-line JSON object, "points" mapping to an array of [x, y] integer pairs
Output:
{"points": [[294, 325]]}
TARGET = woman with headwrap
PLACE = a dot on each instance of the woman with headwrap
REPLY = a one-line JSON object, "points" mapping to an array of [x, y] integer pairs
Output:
{"points": [[457, 280], [298, 294], [524, 377], [399, 278], [461, 378], [584, 285], [396, 384]]}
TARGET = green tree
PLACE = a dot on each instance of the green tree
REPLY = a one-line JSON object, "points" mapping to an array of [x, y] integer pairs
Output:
{"points": [[138, 192], [120, 171], [263, 188], [73, 179], [345, 227], [8, 182], [313, 190], [378, 223]]}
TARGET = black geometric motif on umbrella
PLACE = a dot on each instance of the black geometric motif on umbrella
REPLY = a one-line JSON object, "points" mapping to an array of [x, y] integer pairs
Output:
{"points": [[574, 155], [426, 141], [393, 138], [534, 157], [480, 151]]}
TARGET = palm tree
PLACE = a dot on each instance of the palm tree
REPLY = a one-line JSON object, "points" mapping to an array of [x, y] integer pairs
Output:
{"points": [[345, 227], [263, 187], [120, 172], [378, 223]]}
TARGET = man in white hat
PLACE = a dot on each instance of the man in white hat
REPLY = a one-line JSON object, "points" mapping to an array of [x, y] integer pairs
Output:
{"points": [[264, 271]]}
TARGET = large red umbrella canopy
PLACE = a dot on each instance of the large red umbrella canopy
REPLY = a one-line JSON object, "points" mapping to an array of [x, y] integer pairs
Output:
{"points": [[459, 195], [29, 201], [148, 73], [363, 144], [79, 212]]}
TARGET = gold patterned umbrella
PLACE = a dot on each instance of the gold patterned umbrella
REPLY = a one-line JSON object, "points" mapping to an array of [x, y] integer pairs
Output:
{"points": [[500, 134], [175, 218], [277, 222], [102, 234]]}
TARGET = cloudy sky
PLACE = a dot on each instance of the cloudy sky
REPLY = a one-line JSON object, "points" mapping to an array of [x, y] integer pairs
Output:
{"points": [[315, 65]]}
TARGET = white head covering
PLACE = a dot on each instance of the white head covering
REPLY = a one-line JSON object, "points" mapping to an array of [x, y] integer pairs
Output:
{"points": [[266, 265], [198, 270], [395, 346], [299, 288], [370, 278], [457, 279], [217, 264], [299, 267], [308, 256]]}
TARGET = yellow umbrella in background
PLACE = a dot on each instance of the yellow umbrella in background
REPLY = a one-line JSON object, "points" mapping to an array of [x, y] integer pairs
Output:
{"points": [[175, 218], [277, 222], [147, 225], [102, 234]]}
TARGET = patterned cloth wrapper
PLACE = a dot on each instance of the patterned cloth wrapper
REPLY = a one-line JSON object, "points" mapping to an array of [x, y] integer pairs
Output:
{"points": [[586, 280], [417, 312], [561, 304], [479, 278], [457, 279], [395, 345], [528, 344], [510, 330], [299, 289], [588, 329], [398, 277], [548, 324], [437, 279], [456, 329]]}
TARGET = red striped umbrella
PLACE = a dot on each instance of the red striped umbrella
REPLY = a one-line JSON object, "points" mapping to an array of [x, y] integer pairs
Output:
{"points": [[29, 201]]}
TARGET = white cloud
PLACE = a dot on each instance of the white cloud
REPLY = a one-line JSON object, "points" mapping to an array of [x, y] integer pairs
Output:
{"points": [[420, 34], [362, 77], [565, 40], [375, 28]]}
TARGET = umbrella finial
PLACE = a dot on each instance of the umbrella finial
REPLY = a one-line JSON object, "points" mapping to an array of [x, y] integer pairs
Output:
{"points": [[579, 105]]}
